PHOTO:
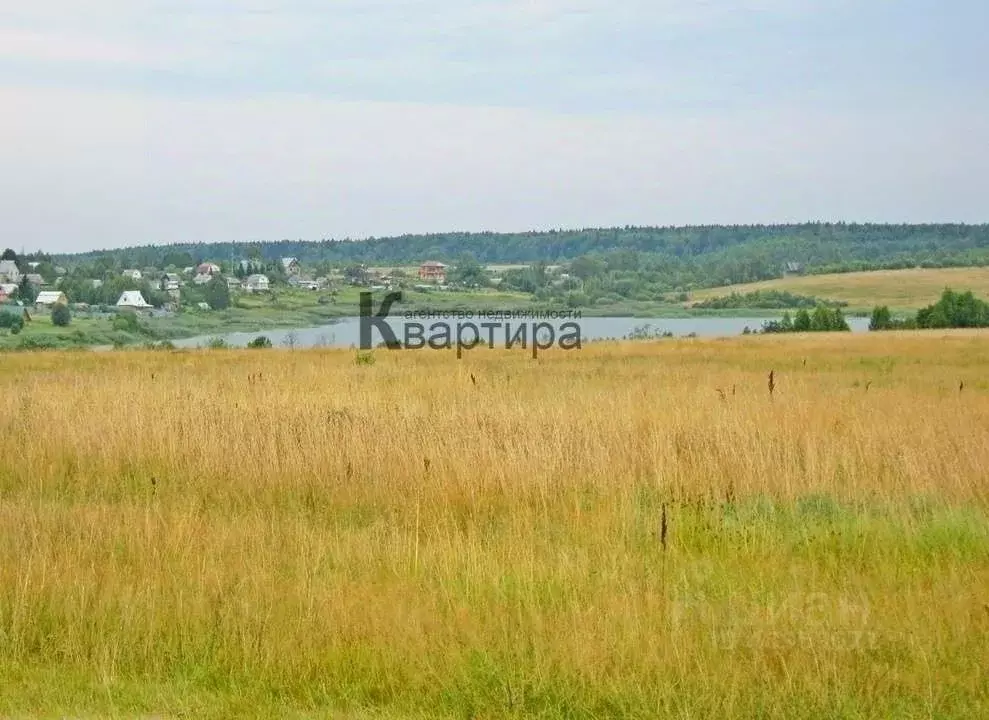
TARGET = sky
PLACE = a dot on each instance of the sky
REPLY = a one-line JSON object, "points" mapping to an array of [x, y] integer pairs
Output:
{"points": [[148, 121]]}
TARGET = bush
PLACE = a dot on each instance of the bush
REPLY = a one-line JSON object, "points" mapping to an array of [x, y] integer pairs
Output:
{"points": [[216, 344], [823, 319], [882, 319], [11, 321], [955, 310], [37, 343], [768, 300], [259, 342], [126, 321], [61, 317]]}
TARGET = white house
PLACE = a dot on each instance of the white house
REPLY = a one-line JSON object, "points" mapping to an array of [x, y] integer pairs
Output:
{"points": [[202, 278], [208, 268], [48, 298], [291, 265], [132, 274], [257, 283], [35, 279], [133, 299], [170, 282], [9, 272]]}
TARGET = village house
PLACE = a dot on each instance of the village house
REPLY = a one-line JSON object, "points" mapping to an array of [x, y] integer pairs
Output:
{"points": [[257, 283], [291, 266], [49, 298], [133, 299], [433, 271], [132, 274], [202, 278], [7, 290], [233, 283], [97, 284], [793, 268], [208, 269], [35, 279], [170, 282], [9, 272]]}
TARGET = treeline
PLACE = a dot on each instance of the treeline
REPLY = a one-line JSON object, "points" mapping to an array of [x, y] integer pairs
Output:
{"points": [[699, 255], [823, 319], [767, 300], [953, 310]]}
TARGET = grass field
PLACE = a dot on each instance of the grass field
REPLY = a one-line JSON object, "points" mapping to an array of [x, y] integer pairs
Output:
{"points": [[901, 290], [296, 534]]}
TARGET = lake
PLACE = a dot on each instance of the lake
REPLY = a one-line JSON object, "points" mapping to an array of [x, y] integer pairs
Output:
{"points": [[346, 332]]}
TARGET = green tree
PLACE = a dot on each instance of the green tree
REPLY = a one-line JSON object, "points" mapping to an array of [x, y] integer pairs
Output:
{"points": [[838, 322], [882, 319], [468, 271], [9, 254], [217, 293], [11, 321], [61, 316], [802, 321], [821, 320], [26, 292]]}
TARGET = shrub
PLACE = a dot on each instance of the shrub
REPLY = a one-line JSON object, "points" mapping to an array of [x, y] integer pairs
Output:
{"points": [[11, 321], [126, 321], [61, 317], [882, 319], [259, 342], [216, 344]]}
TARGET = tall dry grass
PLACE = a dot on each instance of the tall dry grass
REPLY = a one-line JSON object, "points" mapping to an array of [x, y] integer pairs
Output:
{"points": [[259, 532]]}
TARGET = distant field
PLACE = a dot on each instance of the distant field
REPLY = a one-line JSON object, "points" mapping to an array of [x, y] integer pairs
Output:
{"points": [[276, 533], [898, 289]]}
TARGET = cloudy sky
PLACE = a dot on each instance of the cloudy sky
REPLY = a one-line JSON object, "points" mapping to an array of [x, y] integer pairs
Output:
{"points": [[153, 121]]}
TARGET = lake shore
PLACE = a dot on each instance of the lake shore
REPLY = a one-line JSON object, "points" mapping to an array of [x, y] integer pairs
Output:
{"points": [[302, 311]]}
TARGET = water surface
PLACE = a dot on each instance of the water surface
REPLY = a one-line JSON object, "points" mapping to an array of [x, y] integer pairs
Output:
{"points": [[346, 332]]}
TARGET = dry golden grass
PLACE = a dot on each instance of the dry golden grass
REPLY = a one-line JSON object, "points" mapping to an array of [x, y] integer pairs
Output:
{"points": [[899, 289], [277, 533]]}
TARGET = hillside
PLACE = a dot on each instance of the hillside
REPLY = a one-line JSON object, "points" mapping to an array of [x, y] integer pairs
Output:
{"points": [[899, 289], [700, 256]]}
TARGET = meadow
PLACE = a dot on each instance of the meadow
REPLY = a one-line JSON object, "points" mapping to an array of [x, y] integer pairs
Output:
{"points": [[900, 290], [626, 530]]}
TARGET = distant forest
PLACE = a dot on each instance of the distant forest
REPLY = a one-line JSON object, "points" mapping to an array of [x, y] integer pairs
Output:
{"points": [[672, 257]]}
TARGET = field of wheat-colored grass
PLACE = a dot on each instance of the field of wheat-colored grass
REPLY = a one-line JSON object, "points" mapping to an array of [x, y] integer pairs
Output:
{"points": [[626, 530], [898, 289]]}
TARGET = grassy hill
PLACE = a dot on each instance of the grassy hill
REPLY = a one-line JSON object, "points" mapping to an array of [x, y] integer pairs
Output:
{"points": [[898, 289]]}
